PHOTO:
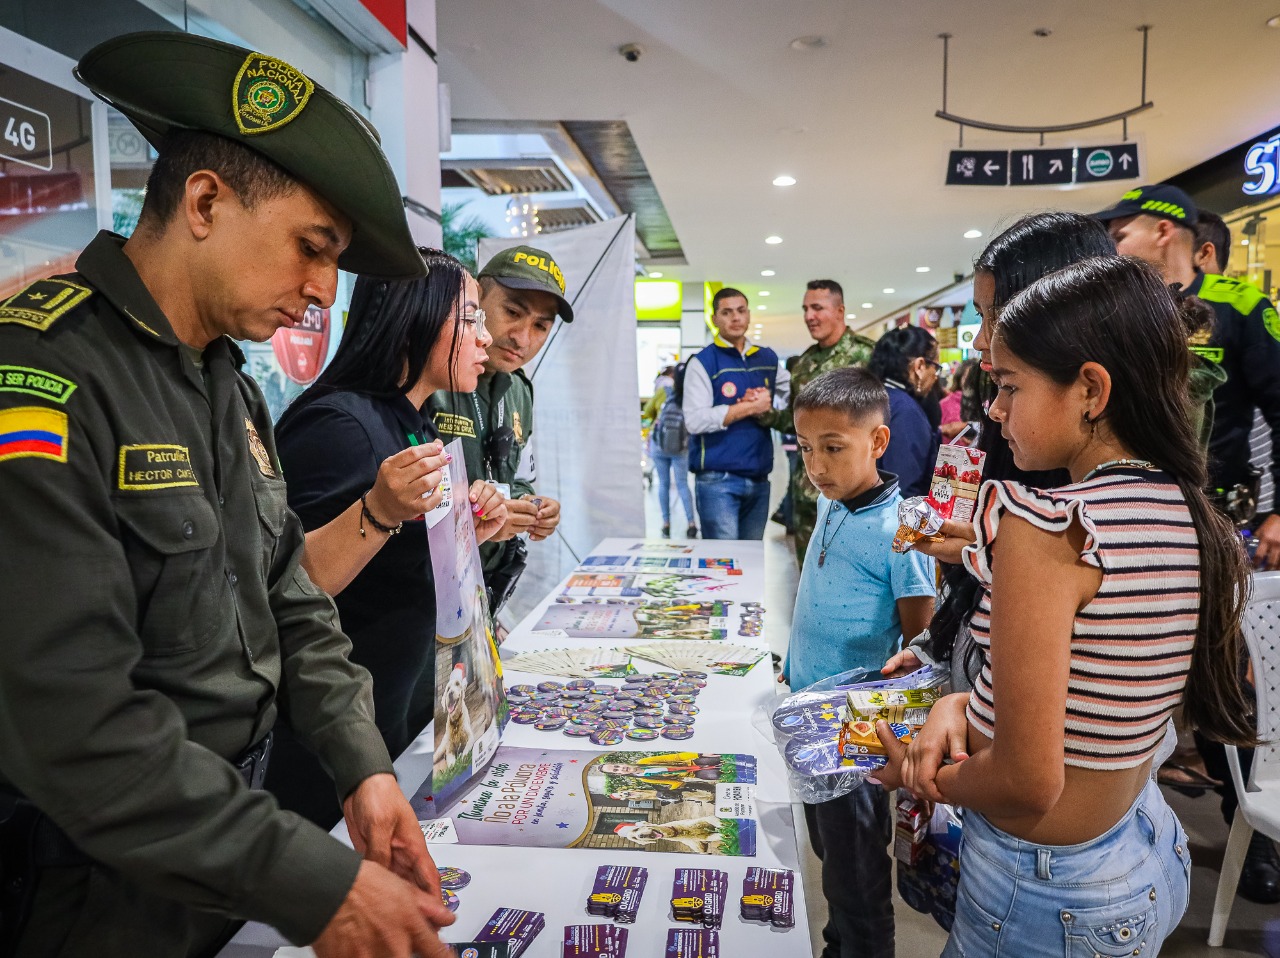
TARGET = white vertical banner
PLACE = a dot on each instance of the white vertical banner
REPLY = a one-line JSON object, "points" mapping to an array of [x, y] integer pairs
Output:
{"points": [[586, 402]]}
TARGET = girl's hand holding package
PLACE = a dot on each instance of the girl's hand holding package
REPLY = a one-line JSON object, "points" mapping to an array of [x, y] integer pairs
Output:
{"points": [[955, 536], [915, 766]]}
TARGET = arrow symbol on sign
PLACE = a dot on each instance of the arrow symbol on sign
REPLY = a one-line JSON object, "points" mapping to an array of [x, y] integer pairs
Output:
{"points": [[1055, 166], [990, 167], [1125, 160]]}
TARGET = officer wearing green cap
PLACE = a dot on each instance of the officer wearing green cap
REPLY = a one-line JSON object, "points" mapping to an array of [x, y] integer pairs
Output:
{"points": [[157, 616], [521, 293]]}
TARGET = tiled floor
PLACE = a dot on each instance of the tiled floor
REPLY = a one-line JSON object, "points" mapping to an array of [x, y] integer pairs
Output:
{"points": [[1254, 929]]}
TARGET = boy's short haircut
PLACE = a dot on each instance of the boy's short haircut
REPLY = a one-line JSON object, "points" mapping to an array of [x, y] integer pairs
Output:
{"points": [[852, 390]]}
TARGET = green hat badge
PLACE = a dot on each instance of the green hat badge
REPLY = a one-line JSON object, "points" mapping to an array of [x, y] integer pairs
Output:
{"points": [[164, 81]]}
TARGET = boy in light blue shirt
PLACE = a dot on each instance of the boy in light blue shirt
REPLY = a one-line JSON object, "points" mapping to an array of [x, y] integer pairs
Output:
{"points": [[856, 601]]}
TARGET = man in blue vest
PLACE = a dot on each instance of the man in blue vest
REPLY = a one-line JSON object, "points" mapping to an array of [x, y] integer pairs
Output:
{"points": [[727, 385]]}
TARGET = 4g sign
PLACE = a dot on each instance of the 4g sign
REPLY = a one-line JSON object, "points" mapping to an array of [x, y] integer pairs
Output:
{"points": [[25, 135]]}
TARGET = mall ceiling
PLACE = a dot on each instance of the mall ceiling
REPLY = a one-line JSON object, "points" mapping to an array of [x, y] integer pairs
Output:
{"points": [[721, 102]]}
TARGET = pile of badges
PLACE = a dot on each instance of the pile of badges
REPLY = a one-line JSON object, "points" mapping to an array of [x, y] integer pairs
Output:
{"points": [[514, 928], [643, 708], [698, 896], [594, 941], [451, 880], [693, 943], [768, 895], [752, 623], [617, 891]]}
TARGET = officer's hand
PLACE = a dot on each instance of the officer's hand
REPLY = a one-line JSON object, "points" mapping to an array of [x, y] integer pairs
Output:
{"points": [[521, 517], [488, 510], [383, 915], [757, 401], [548, 517], [408, 483], [1268, 534], [384, 829]]}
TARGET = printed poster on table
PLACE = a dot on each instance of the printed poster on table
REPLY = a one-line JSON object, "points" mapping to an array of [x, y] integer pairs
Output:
{"points": [[635, 619], [471, 707], [665, 801], [659, 563], [654, 585]]}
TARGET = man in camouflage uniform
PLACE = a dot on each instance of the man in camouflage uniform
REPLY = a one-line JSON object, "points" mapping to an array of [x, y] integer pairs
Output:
{"points": [[835, 346]]}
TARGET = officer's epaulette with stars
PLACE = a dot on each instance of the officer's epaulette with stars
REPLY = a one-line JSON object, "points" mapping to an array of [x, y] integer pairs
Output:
{"points": [[43, 303]]}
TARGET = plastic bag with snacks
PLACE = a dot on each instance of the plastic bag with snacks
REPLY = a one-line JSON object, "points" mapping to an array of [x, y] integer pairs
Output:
{"points": [[826, 732]]}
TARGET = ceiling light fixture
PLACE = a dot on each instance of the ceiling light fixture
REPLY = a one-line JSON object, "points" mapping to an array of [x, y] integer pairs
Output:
{"points": [[867, 306], [809, 42], [655, 276], [773, 240], [767, 272], [784, 180], [762, 306], [922, 269], [1274, 22], [889, 290], [765, 292], [850, 315], [1245, 241], [972, 234]]}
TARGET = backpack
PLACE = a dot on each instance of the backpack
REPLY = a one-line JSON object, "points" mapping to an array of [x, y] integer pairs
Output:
{"points": [[669, 433]]}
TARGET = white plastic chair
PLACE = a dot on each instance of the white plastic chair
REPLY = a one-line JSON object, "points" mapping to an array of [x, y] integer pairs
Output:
{"points": [[1260, 801]]}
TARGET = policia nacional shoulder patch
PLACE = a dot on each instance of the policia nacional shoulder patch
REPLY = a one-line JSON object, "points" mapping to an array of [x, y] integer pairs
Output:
{"points": [[267, 94], [41, 303]]}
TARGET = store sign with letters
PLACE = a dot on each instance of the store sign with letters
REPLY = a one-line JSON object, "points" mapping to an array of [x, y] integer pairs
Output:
{"points": [[1262, 161]]}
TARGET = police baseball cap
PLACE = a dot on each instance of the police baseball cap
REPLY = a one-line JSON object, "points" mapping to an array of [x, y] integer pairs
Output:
{"points": [[523, 267], [166, 81], [1162, 200]]}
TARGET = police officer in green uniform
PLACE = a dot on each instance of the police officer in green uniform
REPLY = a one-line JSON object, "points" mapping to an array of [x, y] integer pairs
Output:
{"points": [[521, 293], [835, 346], [157, 617]]}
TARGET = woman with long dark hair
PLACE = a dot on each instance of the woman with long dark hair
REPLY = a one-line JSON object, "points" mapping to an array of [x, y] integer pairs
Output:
{"points": [[906, 361], [363, 465], [1105, 604]]}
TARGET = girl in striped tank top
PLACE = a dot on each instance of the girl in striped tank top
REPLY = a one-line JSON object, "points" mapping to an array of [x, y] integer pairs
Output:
{"points": [[1101, 602]]}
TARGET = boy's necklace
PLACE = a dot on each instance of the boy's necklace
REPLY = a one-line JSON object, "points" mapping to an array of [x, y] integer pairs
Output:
{"points": [[822, 556]]}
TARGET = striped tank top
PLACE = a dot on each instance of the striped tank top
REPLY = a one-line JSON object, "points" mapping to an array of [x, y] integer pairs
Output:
{"points": [[1131, 645]]}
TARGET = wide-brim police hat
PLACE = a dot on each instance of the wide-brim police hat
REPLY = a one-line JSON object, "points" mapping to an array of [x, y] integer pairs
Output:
{"points": [[168, 80]]}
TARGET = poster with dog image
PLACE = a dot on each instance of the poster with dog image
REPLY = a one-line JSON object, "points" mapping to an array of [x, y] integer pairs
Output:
{"points": [[662, 801], [471, 707]]}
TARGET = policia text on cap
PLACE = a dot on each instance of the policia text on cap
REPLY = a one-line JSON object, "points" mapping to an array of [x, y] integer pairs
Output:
{"points": [[157, 616]]}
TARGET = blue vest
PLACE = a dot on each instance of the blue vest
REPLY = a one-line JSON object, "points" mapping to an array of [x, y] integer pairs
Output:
{"points": [[745, 448]]}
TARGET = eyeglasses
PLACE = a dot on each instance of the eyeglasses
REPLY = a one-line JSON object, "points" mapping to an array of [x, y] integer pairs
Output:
{"points": [[476, 319], [937, 366]]}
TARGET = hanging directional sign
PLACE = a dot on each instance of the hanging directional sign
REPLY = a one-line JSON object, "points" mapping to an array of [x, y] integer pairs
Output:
{"points": [[1096, 163], [1040, 167], [978, 168]]}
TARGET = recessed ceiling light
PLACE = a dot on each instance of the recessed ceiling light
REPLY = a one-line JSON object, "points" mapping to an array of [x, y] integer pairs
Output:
{"points": [[1271, 21], [784, 180], [809, 42], [889, 290], [850, 315], [767, 272], [922, 269], [773, 240], [867, 306], [655, 276], [1245, 241], [762, 306], [765, 292], [972, 234]]}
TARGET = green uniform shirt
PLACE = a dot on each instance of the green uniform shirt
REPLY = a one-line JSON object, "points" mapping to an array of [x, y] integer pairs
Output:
{"points": [[849, 350], [500, 399], [155, 609]]}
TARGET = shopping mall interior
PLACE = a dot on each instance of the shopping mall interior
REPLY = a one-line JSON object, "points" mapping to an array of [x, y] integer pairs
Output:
{"points": [[838, 167]]}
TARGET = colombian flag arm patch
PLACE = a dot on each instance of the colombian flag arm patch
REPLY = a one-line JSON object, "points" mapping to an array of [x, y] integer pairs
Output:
{"points": [[33, 431]]}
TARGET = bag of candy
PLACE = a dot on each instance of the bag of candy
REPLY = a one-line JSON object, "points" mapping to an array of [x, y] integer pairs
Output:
{"points": [[826, 732], [953, 494]]}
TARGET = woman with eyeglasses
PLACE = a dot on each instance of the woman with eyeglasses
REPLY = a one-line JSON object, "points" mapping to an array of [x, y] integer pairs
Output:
{"points": [[906, 361], [364, 465]]}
